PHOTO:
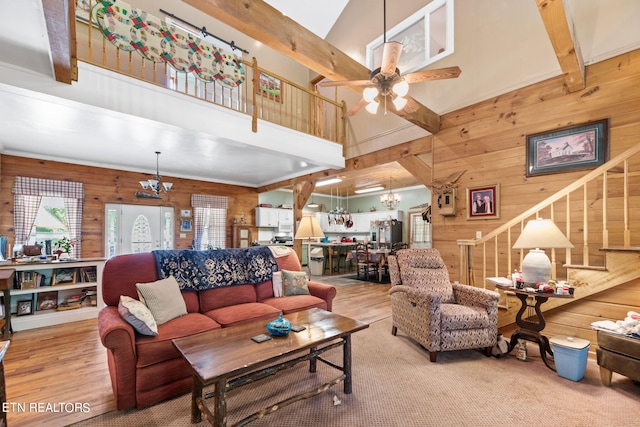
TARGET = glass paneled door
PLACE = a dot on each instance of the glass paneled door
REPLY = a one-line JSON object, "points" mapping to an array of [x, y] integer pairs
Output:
{"points": [[137, 228]]}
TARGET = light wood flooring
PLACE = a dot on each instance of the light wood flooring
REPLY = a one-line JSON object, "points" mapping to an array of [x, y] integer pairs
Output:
{"points": [[47, 369]]}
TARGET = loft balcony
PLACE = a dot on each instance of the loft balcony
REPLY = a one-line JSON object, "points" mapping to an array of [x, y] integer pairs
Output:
{"points": [[121, 108]]}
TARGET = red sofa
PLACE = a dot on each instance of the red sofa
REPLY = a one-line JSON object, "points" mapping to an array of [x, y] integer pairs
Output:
{"points": [[147, 369]]}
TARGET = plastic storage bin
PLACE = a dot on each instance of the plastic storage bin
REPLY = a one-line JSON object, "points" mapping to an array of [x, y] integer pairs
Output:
{"points": [[316, 262], [570, 355]]}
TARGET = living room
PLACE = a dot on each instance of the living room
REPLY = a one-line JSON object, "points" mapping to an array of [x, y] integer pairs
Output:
{"points": [[485, 138]]}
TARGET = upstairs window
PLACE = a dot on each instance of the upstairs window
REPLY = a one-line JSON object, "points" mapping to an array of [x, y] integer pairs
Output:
{"points": [[426, 37]]}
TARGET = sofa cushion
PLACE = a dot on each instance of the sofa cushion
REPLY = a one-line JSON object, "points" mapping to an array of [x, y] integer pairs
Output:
{"points": [[226, 296], [163, 298], [137, 315], [243, 313], [277, 284], [294, 283], [151, 350], [295, 303], [457, 316]]}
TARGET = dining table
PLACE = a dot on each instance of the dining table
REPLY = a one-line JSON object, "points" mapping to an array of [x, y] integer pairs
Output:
{"points": [[379, 256]]}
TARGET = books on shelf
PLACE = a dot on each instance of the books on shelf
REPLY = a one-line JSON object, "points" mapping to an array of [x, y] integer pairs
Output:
{"points": [[29, 280]]}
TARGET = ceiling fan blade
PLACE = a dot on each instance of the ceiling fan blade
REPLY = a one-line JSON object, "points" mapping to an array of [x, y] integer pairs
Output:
{"points": [[354, 110], [390, 57], [439, 74], [346, 83]]}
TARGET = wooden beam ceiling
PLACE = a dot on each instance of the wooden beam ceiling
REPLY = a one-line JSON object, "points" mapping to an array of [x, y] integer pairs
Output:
{"points": [[406, 154], [265, 24], [559, 24], [59, 16]]}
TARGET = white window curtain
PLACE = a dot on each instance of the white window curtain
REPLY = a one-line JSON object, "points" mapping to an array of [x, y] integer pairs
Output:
{"points": [[210, 219], [28, 193]]}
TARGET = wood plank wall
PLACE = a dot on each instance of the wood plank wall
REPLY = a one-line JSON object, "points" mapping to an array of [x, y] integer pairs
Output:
{"points": [[103, 185], [488, 141]]}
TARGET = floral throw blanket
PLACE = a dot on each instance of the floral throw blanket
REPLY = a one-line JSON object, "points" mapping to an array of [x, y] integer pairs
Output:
{"points": [[200, 270]]}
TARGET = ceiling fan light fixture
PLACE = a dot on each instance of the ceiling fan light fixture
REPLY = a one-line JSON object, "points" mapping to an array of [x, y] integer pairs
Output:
{"points": [[372, 107], [401, 88], [399, 102], [370, 93]]}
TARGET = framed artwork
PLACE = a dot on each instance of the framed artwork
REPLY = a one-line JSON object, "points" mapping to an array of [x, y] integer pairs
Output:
{"points": [[24, 307], [483, 202], [63, 276], [269, 87], [185, 225], [47, 300], [584, 146], [185, 213]]}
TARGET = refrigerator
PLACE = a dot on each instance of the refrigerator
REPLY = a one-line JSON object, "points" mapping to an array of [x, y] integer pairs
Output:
{"points": [[387, 233]]}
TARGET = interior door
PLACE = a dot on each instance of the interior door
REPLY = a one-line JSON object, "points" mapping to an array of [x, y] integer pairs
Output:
{"points": [[137, 228]]}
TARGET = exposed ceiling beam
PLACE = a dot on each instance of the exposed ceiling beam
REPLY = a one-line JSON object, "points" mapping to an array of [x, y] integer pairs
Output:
{"points": [[59, 16], [559, 24], [417, 168], [267, 25], [359, 163]]}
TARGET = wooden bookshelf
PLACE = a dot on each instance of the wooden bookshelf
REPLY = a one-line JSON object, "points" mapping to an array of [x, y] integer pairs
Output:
{"points": [[41, 282]]}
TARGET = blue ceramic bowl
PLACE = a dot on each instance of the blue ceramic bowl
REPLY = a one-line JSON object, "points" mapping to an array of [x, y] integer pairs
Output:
{"points": [[279, 327]]}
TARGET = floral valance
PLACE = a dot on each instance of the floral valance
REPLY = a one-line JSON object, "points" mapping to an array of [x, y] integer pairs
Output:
{"points": [[134, 30]]}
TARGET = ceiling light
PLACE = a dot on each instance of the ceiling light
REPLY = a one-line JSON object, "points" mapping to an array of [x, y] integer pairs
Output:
{"points": [[401, 88], [370, 189], [370, 93], [400, 102], [328, 182], [156, 185], [390, 200], [372, 107]]}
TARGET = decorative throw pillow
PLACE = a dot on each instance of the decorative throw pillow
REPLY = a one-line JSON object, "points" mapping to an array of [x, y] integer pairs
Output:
{"points": [[294, 283], [163, 298], [277, 284], [137, 315]]}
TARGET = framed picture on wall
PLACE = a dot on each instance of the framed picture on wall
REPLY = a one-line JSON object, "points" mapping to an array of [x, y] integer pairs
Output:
{"points": [[584, 146], [185, 225], [185, 213], [269, 87], [483, 202]]}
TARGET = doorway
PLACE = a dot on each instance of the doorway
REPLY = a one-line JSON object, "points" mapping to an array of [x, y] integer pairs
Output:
{"points": [[137, 228]]}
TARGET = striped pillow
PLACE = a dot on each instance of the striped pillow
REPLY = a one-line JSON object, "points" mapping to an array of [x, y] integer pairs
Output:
{"points": [[163, 298]]}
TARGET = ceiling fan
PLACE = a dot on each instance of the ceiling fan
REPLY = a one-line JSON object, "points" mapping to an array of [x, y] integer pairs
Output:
{"points": [[386, 83]]}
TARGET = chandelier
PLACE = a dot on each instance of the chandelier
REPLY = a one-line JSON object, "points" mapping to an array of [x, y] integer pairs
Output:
{"points": [[155, 185], [390, 200]]}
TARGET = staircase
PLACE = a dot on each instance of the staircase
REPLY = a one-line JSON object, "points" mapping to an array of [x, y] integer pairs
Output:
{"points": [[595, 213]]}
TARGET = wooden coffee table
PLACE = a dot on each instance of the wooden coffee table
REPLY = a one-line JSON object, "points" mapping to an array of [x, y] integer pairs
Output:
{"points": [[228, 358]]}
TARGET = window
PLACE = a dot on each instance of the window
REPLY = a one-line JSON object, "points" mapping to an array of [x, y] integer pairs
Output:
{"points": [[28, 197], [426, 37], [50, 224], [210, 217]]}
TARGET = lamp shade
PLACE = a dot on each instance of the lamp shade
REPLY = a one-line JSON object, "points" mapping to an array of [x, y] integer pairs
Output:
{"points": [[309, 228], [541, 233]]}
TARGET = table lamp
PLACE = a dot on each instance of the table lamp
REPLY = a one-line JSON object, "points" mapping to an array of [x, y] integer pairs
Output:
{"points": [[539, 233], [309, 228]]}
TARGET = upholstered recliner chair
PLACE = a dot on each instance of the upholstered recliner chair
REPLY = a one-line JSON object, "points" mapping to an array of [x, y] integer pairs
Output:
{"points": [[438, 314]]}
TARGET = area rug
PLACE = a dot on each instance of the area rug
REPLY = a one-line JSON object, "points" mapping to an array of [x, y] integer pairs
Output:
{"points": [[394, 384], [372, 279]]}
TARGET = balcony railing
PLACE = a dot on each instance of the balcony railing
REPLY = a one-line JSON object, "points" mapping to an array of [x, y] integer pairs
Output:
{"points": [[294, 106]]}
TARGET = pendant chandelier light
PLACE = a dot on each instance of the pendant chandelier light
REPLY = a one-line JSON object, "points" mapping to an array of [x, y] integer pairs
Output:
{"points": [[390, 200], [155, 185]]}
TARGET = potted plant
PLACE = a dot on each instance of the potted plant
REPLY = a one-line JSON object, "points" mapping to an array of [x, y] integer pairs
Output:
{"points": [[64, 247]]}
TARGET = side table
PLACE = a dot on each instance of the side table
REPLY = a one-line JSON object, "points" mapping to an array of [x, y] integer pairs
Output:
{"points": [[530, 330], [6, 282]]}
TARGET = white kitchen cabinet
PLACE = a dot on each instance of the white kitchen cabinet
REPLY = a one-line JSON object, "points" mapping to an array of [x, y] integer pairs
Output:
{"points": [[267, 217], [285, 216]]}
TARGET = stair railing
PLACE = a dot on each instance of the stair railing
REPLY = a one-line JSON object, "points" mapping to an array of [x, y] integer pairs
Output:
{"points": [[593, 211]]}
